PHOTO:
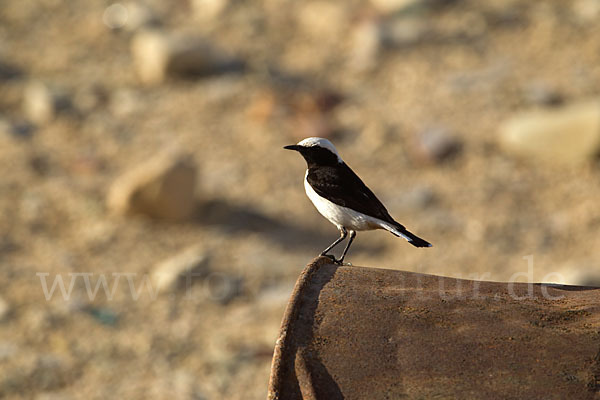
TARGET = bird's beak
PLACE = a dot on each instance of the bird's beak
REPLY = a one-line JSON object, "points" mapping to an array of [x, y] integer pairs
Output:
{"points": [[292, 147]]}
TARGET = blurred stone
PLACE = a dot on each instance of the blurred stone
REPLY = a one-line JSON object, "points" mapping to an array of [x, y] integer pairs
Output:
{"points": [[4, 309], [393, 6], [180, 270], [8, 350], [275, 295], [163, 187], [103, 315], [179, 384], [115, 16], [436, 145], [366, 39], [158, 55], [311, 109], [209, 10], [222, 288], [569, 135], [5, 128], [401, 32], [541, 94], [400, 6], [8, 71], [130, 16], [32, 207], [312, 125], [22, 129], [41, 102], [124, 102], [262, 106], [89, 98], [26, 371], [419, 197], [322, 19], [586, 11], [54, 396], [98, 235], [51, 372]]}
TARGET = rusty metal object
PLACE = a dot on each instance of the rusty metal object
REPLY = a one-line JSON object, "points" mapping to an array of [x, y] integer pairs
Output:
{"points": [[367, 333]]}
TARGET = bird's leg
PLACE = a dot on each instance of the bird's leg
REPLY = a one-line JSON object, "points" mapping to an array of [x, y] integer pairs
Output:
{"points": [[343, 234], [352, 236]]}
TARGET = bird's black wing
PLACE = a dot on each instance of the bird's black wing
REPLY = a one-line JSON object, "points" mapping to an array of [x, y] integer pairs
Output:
{"points": [[340, 185]]}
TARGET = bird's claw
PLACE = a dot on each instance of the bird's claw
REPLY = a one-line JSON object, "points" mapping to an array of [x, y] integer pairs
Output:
{"points": [[336, 261], [333, 259]]}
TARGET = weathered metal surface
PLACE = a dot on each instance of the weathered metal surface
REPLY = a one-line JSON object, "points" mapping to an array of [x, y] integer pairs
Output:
{"points": [[367, 333]]}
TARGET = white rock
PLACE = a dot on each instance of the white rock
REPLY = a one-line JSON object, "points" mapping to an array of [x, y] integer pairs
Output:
{"points": [[366, 39], [567, 135], [115, 16], [130, 16], [400, 6], [208, 10], [180, 270], [399, 32], [392, 6], [158, 55], [42, 102], [322, 19], [163, 187], [587, 11]]}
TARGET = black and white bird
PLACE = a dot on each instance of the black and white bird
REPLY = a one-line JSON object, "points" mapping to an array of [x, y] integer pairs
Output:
{"points": [[342, 197]]}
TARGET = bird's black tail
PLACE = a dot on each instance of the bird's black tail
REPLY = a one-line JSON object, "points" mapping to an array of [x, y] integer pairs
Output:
{"points": [[413, 239]]}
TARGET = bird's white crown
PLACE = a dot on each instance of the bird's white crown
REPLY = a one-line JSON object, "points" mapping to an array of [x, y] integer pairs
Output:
{"points": [[320, 142]]}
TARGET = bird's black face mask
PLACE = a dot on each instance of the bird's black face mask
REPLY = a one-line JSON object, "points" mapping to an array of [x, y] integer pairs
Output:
{"points": [[315, 155]]}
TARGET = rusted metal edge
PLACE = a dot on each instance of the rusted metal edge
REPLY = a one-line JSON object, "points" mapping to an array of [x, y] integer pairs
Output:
{"points": [[283, 343]]}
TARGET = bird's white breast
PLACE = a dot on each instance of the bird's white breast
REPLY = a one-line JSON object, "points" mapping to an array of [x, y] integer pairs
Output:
{"points": [[338, 215]]}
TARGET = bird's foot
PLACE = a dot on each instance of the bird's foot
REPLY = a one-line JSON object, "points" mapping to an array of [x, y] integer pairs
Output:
{"points": [[333, 259]]}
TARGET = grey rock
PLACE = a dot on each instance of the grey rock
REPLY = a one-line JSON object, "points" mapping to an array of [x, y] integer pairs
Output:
{"points": [[567, 135], [402, 32], [435, 145], [51, 372], [129, 16], [8, 350], [29, 371], [163, 188], [417, 198], [544, 95], [222, 288]]}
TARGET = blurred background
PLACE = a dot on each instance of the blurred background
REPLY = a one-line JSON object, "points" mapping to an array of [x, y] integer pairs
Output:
{"points": [[142, 169]]}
